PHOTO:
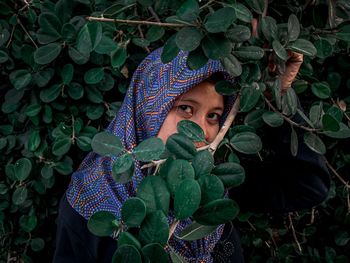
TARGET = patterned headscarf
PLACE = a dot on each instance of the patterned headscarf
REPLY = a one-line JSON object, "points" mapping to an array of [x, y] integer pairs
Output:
{"points": [[151, 95]]}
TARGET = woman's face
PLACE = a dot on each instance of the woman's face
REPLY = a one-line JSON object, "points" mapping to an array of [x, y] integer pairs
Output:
{"points": [[202, 105]]}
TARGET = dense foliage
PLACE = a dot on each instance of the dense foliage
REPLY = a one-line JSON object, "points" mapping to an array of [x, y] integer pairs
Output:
{"points": [[63, 77]]}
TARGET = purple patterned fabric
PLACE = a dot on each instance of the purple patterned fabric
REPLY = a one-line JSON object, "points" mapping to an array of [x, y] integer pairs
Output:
{"points": [[151, 94]]}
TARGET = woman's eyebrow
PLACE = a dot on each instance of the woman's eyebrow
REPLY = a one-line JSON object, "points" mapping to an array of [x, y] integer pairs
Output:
{"points": [[219, 108]]}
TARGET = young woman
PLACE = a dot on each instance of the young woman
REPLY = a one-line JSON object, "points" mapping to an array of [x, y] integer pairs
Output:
{"points": [[159, 96]]}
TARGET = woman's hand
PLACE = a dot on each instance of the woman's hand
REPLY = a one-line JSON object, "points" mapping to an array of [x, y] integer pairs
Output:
{"points": [[293, 63]]}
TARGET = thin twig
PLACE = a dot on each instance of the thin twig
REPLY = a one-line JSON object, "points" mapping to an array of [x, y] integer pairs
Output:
{"points": [[153, 13], [293, 232], [227, 124], [172, 228], [312, 219], [11, 36], [330, 167], [265, 9], [135, 22], [207, 4], [289, 120], [27, 33]]}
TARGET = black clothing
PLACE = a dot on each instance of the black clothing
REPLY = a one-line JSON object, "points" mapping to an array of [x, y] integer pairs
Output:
{"points": [[281, 183]]}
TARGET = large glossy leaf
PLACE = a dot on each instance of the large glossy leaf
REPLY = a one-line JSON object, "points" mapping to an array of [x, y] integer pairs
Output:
{"points": [[273, 119], [133, 212], [154, 192], [102, 223], [231, 174], [242, 12], [238, 33], [149, 149], [249, 53], [220, 20], [321, 90], [187, 198], [126, 238], [232, 65], [126, 254], [154, 229], [20, 78], [46, 54], [191, 129], [303, 46], [177, 171], [216, 47], [123, 169], [188, 38], [155, 253], [250, 96], [195, 231], [105, 143], [203, 163], [293, 27], [89, 37], [217, 212], [188, 11], [314, 143], [246, 142], [22, 168], [269, 28], [181, 146], [212, 188], [170, 50]]}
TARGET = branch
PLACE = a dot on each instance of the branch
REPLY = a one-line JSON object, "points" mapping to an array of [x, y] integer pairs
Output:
{"points": [[227, 124], [347, 185], [289, 120], [154, 14], [294, 234], [135, 22], [27, 33]]}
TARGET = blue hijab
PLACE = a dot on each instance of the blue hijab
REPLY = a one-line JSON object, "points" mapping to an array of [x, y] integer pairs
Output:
{"points": [[149, 98]]}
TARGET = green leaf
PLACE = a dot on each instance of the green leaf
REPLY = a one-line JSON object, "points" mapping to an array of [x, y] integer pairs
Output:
{"points": [[176, 258], [50, 94], [257, 5], [343, 133], [68, 32], [217, 212], [203, 163], [37, 244], [269, 28], [196, 59], [344, 33], [126, 254], [225, 87], [177, 171], [314, 143], [106, 144], [94, 75], [273, 119], [170, 50], [329, 123], [19, 195], [220, 20], [28, 223], [3, 57], [149, 149], [102, 223], [300, 86], [289, 102], [242, 12], [118, 57], [46, 54], [181, 146], [33, 110], [187, 198], [212, 188], [46, 171], [67, 73], [303, 46], [155, 33], [43, 77], [61, 146], [188, 11], [324, 48], [20, 78], [279, 50], [188, 38], [22, 168], [77, 56], [293, 28], [195, 231], [75, 90], [133, 211], [250, 96], [50, 28], [216, 47], [232, 65], [123, 169], [246, 142], [94, 112], [154, 229], [231, 174], [315, 114], [125, 238], [321, 90], [294, 143], [191, 129], [155, 253], [249, 53], [89, 37], [84, 143], [238, 34], [154, 192], [141, 42]]}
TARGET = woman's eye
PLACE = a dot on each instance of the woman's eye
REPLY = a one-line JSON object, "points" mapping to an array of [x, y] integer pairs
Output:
{"points": [[185, 108], [214, 116]]}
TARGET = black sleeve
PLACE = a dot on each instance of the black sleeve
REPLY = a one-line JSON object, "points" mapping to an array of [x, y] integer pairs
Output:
{"points": [[282, 182], [75, 243]]}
